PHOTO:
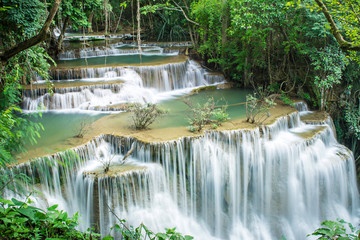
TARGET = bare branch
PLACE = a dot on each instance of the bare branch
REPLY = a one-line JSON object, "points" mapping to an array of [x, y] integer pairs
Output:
{"points": [[128, 153]]}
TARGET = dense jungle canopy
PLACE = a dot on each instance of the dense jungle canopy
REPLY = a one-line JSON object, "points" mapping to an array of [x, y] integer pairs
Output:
{"points": [[306, 49]]}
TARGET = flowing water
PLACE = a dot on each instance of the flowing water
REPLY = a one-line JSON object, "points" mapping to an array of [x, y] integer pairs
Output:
{"points": [[240, 184], [135, 84], [262, 183]]}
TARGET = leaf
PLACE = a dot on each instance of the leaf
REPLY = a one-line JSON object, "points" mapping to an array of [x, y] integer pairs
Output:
{"points": [[52, 208], [28, 212], [108, 237], [162, 236], [323, 231], [17, 203], [7, 201], [5, 220]]}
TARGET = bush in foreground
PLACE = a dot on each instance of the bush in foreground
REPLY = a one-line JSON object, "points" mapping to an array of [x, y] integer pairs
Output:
{"points": [[20, 220]]}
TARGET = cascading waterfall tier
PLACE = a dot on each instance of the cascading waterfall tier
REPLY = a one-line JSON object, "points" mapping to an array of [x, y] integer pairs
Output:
{"points": [[123, 49], [138, 84], [260, 183], [66, 98], [174, 71], [113, 51]]}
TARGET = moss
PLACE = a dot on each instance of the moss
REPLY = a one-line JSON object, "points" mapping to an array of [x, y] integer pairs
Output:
{"points": [[202, 89]]}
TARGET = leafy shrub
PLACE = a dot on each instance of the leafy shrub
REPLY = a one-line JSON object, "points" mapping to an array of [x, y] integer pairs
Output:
{"points": [[203, 114], [220, 115], [19, 220], [142, 232], [144, 115], [286, 99], [337, 230], [258, 106]]}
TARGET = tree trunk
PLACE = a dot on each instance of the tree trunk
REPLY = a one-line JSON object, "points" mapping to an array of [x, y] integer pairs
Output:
{"points": [[191, 35], [90, 30], [62, 35], [138, 26], [106, 16], [117, 25], [12, 51], [268, 46], [132, 18], [225, 22]]}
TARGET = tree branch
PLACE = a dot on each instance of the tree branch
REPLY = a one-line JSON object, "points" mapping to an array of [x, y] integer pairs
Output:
{"points": [[6, 54], [344, 45], [182, 10]]}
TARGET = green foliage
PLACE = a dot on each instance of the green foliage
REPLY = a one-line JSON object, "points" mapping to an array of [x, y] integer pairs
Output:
{"points": [[286, 99], [142, 232], [78, 11], [203, 114], [352, 117], [220, 115], [144, 115], [13, 127], [258, 105], [329, 63], [337, 230], [20, 220], [170, 24], [21, 20]]}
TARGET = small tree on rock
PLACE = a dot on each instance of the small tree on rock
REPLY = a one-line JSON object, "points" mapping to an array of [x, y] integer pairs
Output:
{"points": [[144, 115], [203, 114], [258, 106]]}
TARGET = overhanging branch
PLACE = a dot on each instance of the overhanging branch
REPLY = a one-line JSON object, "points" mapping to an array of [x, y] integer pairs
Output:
{"points": [[186, 17], [344, 45], [6, 54]]}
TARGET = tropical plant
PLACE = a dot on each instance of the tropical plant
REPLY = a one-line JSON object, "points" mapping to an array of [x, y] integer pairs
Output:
{"points": [[338, 229], [142, 232], [20, 220]]}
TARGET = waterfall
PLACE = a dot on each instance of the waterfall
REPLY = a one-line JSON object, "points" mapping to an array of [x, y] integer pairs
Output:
{"points": [[176, 70], [112, 51], [136, 84], [301, 106], [262, 183], [119, 49]]}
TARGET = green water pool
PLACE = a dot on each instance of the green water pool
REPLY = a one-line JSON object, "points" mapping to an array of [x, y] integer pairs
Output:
{"points": [[60, 127], [178, 110]]}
